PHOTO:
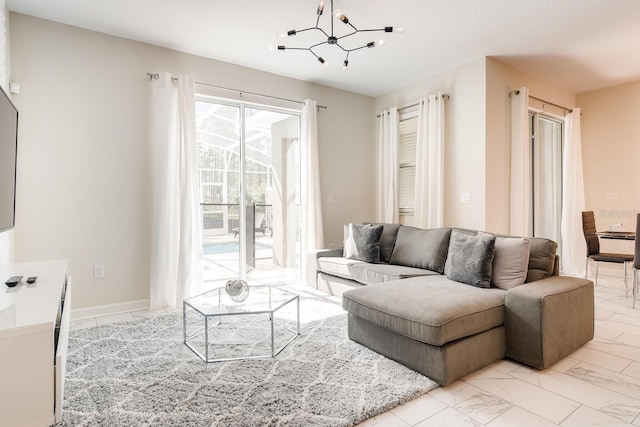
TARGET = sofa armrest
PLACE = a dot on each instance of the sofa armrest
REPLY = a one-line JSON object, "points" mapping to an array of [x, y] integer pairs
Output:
{"points": [[547, 319], [319, 253], [312, 267]]}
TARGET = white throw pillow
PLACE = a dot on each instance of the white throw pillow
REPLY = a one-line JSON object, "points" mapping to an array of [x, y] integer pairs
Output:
{"points": [[510, 262]]}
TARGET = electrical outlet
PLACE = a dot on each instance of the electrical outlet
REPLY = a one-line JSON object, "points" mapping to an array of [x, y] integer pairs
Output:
{"points": [[611, 197], [465, 198], [98, 271]]}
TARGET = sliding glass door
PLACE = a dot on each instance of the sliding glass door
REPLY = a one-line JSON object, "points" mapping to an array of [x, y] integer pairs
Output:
{"points": [[249, 162], [546, 143]]}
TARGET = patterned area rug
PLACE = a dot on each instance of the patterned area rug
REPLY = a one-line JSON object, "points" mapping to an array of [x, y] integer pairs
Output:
{"points": [[141, 374]]}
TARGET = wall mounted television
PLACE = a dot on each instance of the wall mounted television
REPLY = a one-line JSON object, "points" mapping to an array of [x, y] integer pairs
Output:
{"points": [[8, 160]]}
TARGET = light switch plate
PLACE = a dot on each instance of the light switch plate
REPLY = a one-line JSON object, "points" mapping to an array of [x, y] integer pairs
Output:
{"points": [[465, 198]]}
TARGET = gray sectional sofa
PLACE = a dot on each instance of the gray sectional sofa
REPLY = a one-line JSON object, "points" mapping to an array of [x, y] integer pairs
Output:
{"points": [[446, 302]]}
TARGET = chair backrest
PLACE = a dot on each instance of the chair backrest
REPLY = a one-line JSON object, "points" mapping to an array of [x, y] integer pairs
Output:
{"points": [[589, 230], [636, 254]]}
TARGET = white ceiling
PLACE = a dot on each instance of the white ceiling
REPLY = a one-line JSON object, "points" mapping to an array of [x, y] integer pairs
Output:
{"points": [[579, 45]]}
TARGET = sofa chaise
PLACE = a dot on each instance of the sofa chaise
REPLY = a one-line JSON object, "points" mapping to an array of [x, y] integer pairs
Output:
{"points": [[446, 302]]}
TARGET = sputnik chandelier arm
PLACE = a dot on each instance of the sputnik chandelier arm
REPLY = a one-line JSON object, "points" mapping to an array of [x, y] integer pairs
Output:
{"points": [[332, 39]]}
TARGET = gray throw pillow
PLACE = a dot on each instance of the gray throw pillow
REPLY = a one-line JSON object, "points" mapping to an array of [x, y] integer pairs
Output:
{"points": [[363, 242], [426, 249], [510, 262], [387, 240], [470, 258]]}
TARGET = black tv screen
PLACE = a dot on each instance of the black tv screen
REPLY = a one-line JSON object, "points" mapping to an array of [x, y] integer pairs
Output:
{"points": [[8, 154]]}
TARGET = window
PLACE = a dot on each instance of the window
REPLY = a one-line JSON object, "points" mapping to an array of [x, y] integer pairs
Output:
{"points": [[408, 136]]}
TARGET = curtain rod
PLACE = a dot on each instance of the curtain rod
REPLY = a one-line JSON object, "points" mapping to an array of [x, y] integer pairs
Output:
{"points": [[415, 104], [517, 92], [157, 76]]}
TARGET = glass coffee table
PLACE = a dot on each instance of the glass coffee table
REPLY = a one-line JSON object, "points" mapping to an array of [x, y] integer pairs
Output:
{"points": [[218, 329]]}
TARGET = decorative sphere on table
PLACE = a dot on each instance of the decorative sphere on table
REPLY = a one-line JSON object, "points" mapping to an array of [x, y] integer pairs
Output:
{"points": [[237, 289]]}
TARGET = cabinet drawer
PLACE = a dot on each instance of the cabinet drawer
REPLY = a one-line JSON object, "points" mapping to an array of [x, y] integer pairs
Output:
{"points": [[62, 331]]}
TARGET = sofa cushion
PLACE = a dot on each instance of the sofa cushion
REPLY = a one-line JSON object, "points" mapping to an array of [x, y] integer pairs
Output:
{"points": [[363, 242], [542, 258], [388, 240], [426, 249], [470, 258], [337, 266], [431, 309], [510, 262], [376, 273]]}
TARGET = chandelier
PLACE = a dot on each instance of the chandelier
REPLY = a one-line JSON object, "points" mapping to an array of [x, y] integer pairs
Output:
{"points": [[332, 39]]}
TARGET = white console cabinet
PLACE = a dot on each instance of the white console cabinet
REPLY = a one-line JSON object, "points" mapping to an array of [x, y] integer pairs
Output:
{"points": [[34, 328]]}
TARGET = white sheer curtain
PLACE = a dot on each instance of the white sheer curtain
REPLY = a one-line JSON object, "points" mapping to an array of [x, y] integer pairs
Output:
{"points": [[429, 188], [387, 198], [176, 257], [574, 248], [520, 164], [313, 232]]}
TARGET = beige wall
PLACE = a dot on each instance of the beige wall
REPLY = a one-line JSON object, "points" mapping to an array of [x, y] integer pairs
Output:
{"points": [[610, 153], [84, 190], [478, 135], [502, 79], [464, 137]]}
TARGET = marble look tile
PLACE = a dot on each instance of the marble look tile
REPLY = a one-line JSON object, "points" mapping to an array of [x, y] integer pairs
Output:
{"points": [[587, 417], [386, 419], [419, 409], [534, 399], [633, 370], [602, 313], [115, 318], [600, 358], [629, 339], [621, 305], [614, 381], [615, 349], [585, 392], [608, 291], [472, 401], [619, 326], [521, 418], [623, 318], [83, 324], [605, 332], [449, 418], [505, 365], [564, 364]]}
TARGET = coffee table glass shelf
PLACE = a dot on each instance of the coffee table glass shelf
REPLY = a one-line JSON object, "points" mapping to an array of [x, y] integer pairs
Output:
{"points": [[218, 329]]}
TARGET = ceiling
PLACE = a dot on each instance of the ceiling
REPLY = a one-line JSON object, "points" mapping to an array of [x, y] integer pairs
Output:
{"points": [[579, 45]]}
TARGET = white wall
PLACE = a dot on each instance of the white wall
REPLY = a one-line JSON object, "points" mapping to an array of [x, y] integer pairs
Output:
{"points": [[464, 137], [84, 172], [5, 57], [6, 237]]}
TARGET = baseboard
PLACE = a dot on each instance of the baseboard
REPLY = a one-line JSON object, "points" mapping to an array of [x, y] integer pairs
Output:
{"points": [[106, 310]]}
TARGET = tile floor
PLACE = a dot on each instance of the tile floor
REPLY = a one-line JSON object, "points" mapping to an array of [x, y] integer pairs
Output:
{"points": [[597, 385]]}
